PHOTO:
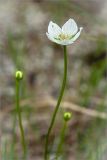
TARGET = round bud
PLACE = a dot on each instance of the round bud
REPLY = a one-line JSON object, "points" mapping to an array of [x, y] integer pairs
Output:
{"points": [[67, 116], [19, 75]]}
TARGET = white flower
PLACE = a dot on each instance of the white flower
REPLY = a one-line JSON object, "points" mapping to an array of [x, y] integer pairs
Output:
{"points": [[65, 35]]}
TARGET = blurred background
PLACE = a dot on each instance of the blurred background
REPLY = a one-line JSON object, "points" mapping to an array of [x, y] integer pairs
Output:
{"points": [[24, 46]]}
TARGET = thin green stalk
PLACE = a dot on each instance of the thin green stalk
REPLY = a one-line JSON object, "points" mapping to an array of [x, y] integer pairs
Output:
{"points": [[58, 104], [61, 140], [19, 117], [12, 150]]}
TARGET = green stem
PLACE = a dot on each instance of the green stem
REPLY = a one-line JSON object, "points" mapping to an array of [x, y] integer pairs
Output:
{"points": [[19, 117], [12, 155], [58, 104], [61, 140]]}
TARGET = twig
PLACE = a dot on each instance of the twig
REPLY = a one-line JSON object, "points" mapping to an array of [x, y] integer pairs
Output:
{"points": [[49, 101]]}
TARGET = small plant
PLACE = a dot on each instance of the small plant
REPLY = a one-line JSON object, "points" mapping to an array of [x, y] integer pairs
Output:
{"points": [[19, 77], [63, 36], [67, 117]]}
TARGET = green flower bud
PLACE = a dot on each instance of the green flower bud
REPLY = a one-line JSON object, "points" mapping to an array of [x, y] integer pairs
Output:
{"points": [[19, 75], [67, 116]]}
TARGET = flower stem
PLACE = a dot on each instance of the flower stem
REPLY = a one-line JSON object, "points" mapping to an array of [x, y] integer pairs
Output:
{"points": [[58, 104], [19, 117], [61, 140]]}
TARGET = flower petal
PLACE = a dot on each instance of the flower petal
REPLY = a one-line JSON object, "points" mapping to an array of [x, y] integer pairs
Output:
{"points": [[53, 29], [77, 35], [66, 42], [53, 39], [61, 42], [70, 27]]}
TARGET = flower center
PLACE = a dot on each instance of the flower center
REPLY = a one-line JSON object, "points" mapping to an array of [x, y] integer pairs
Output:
{"points": [[63, 36]]}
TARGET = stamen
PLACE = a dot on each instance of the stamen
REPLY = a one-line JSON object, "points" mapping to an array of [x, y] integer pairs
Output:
{"points": [[63, 37]]}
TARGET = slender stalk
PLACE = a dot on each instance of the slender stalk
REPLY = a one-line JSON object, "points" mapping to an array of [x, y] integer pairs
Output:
{"points": [[12, 155], [58, 104], [61, 140], [19, 117]]}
